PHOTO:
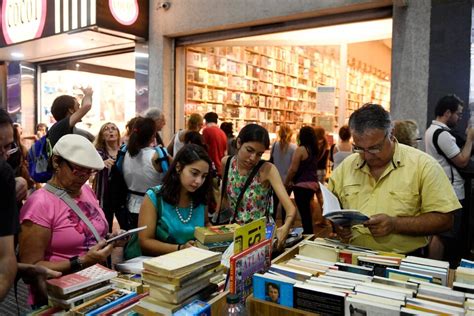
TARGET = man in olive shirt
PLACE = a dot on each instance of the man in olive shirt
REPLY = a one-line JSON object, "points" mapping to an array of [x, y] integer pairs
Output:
{"points": [[404, 191]]}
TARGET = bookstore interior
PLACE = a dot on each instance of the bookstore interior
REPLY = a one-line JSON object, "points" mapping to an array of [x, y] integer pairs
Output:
{"points": [[307, 77]]}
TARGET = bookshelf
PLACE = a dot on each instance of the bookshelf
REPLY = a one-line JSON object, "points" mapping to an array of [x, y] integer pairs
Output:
{"points": [[274, 85]]}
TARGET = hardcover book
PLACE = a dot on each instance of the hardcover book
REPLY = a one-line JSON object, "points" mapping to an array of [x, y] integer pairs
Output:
{"points": [[181, 262], [333, 212], [274, 289], [245, 264], [79, 280]]}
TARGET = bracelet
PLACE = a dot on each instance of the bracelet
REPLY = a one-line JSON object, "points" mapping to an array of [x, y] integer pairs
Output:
{"points": [[76, 264], [179, 246]]}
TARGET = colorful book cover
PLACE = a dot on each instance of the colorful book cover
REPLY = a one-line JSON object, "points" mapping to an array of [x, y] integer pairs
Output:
{"points": [[213, 234], [248, 235], [405, 275], [273, 290], [195, 308], [245, 264]]}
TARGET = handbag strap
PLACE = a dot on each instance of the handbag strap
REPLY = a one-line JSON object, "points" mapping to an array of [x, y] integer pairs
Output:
{"points": [[63, 195], [245, 187]]}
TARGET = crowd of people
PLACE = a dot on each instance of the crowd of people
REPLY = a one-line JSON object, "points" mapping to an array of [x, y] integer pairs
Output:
{"points": [[206, 175]]}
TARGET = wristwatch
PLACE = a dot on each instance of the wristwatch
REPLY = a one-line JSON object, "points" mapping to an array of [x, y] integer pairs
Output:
{"points": [[75, 263]]}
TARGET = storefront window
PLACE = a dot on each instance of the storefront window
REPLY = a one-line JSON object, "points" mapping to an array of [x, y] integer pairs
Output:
{"points": [[113, 99]]}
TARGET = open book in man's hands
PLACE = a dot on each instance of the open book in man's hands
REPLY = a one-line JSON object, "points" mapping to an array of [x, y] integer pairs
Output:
{"points": [[332, 210]]}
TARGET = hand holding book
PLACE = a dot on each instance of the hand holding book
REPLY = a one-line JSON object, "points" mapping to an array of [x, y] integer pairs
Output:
{"points": [[381, 225]]}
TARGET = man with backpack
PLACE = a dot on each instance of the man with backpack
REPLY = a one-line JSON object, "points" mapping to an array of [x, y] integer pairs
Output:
{"points": [[446, 147]]}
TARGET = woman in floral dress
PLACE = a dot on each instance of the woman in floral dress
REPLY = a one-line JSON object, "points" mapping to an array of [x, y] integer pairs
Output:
{"points": [[257, 200]]}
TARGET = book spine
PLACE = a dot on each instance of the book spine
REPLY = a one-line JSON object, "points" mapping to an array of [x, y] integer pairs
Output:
{"points": [[111, 304], [232, 276], [124, 304]]}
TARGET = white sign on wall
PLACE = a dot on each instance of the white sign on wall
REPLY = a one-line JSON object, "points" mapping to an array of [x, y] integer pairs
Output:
{"points": [[23, 20], [124, 11], [325, 99]]}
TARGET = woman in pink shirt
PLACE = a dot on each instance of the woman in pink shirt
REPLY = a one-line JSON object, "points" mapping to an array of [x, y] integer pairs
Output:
{"points": [[52, 234]]}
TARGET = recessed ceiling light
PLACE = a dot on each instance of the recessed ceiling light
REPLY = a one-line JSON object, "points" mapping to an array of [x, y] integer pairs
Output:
{"points": [[17, 55]]}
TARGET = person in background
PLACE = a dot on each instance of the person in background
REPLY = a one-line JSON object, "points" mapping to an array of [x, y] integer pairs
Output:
{"points": [[194, 138], [67, 113], [52, 234], [172, 210], [402, 190], [252, 141], [215, 139], [228, 129], [41, 130], [323, 153], [159, 118], [343, 149], [451, 156], [128, 130], [107, 144], [140, 170], [195, 123], [281, 155], [302, 176], [19, 162], [406, 132]]}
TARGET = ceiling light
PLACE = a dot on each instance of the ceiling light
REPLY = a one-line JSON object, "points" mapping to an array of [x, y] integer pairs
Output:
{"points": [[17, 55]]}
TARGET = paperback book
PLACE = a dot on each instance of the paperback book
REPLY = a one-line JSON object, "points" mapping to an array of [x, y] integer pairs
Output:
{"points": [[274, 289], [333, 212]]}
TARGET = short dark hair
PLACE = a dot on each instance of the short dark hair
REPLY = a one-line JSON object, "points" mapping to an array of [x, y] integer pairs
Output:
{"points": [[193, 137], [61, 106], [345, 133], [171, 187], [211, 117], [449, 102], [370, 116], [227, 128], [254, 133], [5, 117]]}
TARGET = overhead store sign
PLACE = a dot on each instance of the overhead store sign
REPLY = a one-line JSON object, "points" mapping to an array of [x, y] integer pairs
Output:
{"points": [[23, 20], [124, 11]]}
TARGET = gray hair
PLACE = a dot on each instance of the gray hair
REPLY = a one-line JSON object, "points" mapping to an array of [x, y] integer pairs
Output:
{"points": [[153, 113], [370, 116]]}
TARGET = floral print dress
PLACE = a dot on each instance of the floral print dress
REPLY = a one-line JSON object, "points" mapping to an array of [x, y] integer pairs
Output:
{"points": [[257, 199]]}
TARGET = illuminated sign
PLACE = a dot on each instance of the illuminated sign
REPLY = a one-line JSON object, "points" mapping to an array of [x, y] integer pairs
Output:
{"points": [[23, 20], [124, 11]]}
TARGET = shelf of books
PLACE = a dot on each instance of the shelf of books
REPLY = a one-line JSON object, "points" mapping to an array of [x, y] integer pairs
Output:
{"points": [[275, 85], [325, 276]]}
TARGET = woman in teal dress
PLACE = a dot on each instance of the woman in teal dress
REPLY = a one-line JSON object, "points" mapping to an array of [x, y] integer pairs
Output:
{"points": [[257, 200], [172, 210]]}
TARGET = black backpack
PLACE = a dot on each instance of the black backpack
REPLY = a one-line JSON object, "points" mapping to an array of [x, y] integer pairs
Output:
{"points": [[460, 141]]}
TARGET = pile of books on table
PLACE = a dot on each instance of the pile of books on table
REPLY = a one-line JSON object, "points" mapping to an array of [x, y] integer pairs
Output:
{"points": [[215, 238], [89, 291], [364, 282], [179, 278]]}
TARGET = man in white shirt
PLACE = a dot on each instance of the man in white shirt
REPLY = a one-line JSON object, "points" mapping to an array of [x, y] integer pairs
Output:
{"points": [[441, 144]]}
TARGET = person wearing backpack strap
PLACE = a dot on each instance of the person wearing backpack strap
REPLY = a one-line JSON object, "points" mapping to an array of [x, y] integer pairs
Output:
{"points": [[143, 166], [248, 182], [172, 210], [441, 144]]}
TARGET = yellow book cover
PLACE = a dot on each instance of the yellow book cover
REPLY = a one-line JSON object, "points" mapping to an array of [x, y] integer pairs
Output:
{"points": [[248, 235]]}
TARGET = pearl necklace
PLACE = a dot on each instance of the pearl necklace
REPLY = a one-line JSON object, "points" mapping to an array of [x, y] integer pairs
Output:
{"points": [[184, 221]]}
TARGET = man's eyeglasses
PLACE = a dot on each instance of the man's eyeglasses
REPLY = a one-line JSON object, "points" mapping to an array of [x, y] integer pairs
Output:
{"points": [[79, 171], [372, 150]]}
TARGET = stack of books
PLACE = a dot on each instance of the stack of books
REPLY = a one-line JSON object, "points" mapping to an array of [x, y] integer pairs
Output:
{"points": [[331, 286], [215, 238], [88, 291], [178, 278]]}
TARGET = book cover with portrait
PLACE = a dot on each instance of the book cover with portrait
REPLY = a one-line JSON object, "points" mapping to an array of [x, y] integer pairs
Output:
{"points": [[273, 288]]}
